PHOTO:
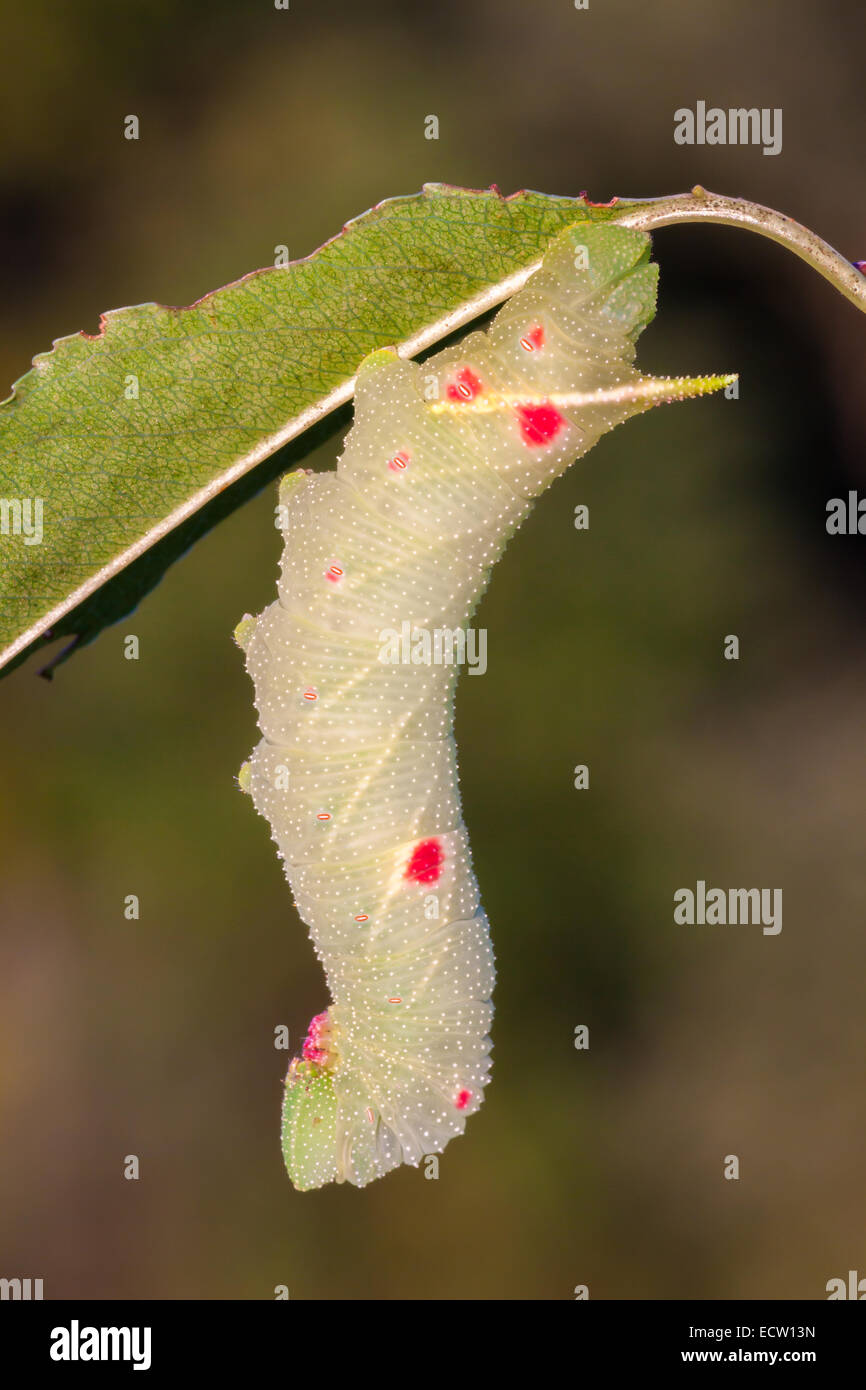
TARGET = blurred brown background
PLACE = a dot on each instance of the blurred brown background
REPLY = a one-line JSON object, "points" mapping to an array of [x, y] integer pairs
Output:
{"points": [[261, 127]]}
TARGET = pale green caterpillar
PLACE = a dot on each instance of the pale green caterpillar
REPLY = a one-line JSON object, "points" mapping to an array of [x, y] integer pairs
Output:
{"points": [[356, 770]]}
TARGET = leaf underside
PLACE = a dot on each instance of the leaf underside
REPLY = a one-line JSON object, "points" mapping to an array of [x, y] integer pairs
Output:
{"points": [[216, 381]]}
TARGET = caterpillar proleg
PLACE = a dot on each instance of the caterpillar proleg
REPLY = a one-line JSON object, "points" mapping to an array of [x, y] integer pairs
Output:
{"points": [[356, 770]]}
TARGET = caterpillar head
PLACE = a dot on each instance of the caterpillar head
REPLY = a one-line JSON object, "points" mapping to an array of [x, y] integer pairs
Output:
{"points": [[309, 1132]]}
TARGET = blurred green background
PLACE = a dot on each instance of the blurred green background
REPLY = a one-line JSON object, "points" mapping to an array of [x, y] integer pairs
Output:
{"points": [[155, 1038]]}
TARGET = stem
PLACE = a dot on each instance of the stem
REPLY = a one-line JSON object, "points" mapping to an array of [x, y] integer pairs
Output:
{"points": [[699, 205]]}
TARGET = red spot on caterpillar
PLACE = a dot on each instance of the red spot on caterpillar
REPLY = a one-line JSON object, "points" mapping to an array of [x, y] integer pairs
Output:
{"points": [[395, 999], [533, 340], [323, 815], [362, 917], [426, 862], [334, 573], [462, 1100], [399, 462], [370, 1116], [467, 386], [310, 695], [315, 1048], [539, 423]]}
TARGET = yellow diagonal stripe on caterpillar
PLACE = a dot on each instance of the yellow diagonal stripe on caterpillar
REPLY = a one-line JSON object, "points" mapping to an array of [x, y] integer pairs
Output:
{"points": [[658, 390]]}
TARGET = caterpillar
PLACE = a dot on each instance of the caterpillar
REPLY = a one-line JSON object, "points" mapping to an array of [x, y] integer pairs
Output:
{"points": [[356, 769]]}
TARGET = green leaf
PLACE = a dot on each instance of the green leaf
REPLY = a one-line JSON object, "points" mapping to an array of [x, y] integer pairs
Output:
{"points": [[231, 392]]}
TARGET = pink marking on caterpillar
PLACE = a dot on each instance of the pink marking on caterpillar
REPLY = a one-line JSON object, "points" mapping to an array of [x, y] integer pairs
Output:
{"points": [[426, 862], [399, 462], [362, 917], [467, 386], [323, 815], [395, 999], [539, 423], [462, 1100], [310, 695], [315, 1048], [534, 339], [334, 574]]}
